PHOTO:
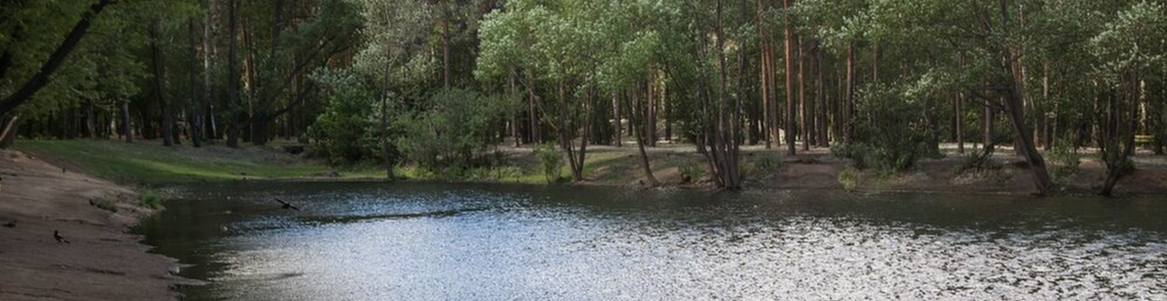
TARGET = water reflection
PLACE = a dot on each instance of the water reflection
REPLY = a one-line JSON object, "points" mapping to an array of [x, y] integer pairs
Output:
{"points": [[514, 242]]}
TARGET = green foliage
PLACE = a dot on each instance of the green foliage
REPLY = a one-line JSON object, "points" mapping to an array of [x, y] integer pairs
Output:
{"points": [[691, 172], [551, 160], [860, 154], [849, 178], [453, 130], [148, 198], [892, 137], [1066, 161], [341, 132], [767, 162]]}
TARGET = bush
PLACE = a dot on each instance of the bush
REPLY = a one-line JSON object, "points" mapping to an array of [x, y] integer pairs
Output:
{"points": [[552, 161], [341, 131], [453, 131], [849, 178], [1066, 161], [767, 162], [148, 198], [691, 172], [893, 136], [858, 153]]}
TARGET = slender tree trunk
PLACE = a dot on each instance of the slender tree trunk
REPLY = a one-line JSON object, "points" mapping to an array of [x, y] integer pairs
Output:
{"points": [[9, 124], [1014, 109], [788, 60], [849, 112], [821, 108], [127, 128], [159, 88], [533, 108], [650, 113], [445, 47], [195, 118], [235, 127], [618, 128], [804, 114]]}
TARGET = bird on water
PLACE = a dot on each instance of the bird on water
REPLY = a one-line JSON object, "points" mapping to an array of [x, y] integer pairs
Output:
{"points": [[58, 237], [287, 205], [11, 224]]}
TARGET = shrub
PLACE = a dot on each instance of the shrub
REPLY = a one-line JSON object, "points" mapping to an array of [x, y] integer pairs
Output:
{"points": [[767, 162], [552, 161], [453, 131], [893, 136], [340, 133], [1065, 160], [691, 172], [148, 198], [849, 178]]}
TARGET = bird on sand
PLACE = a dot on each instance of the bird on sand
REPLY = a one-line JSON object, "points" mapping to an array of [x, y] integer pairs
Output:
{"points": [[58, 237], [287, 205], [11, 224]]}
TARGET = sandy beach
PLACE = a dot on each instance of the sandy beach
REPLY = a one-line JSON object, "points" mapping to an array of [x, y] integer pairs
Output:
{"points": [[100, 261]]}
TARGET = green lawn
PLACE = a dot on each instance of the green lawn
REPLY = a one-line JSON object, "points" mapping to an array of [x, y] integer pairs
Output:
{"points": [[150, 163]]}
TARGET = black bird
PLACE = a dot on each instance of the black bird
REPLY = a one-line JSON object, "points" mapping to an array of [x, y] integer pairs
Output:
{"points": [[63, 170], [287, 205], [57, 236], [11, 224]]}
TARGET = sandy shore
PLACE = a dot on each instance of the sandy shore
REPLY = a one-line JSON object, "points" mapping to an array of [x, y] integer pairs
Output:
{"points": [[100, 262]]}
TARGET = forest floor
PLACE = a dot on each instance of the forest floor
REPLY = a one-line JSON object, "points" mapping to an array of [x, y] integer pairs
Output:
{"points": [[100, 261], [149, 163]]}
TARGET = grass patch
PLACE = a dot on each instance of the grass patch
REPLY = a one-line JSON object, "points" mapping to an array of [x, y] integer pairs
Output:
{"points": [[149, 163], [105, 205], [849, 178], [148, 198]]}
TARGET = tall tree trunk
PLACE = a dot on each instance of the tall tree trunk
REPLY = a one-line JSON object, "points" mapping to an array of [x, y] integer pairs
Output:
{"points": [[649, 124], [159, 88], [445, 46], [849, 112], [1115, 157], [210, 130], [533, 108], [616, 113], [725, 147], [805, 118], [196, 123], [1014, 109], [821, 108], [235, 128], [638, 134], [788, 58]]}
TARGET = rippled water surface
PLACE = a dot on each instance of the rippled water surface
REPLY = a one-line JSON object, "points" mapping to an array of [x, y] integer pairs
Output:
{"points": [[367, 241]]}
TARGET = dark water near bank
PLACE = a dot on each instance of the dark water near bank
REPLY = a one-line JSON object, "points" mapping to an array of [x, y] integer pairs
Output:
{"points": [[512, 242]]}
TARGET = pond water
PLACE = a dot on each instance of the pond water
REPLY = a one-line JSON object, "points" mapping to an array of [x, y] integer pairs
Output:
{"points": [[370, 241]]}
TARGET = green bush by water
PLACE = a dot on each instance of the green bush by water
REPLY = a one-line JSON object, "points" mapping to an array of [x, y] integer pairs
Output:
{"points": [[551, 161]]}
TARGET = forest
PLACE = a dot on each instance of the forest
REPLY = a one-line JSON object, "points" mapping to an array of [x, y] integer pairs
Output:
{"points": [[442, 84]]}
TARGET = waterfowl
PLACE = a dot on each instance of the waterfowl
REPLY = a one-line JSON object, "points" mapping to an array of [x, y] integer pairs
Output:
{"points": [[287, 205], [58, 237]]}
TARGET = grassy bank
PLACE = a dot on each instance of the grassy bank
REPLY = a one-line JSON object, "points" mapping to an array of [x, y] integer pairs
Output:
{"points": [[148, 162]]}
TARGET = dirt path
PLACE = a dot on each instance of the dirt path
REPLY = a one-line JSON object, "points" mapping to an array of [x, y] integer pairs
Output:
{"points": [[100, 262]]}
